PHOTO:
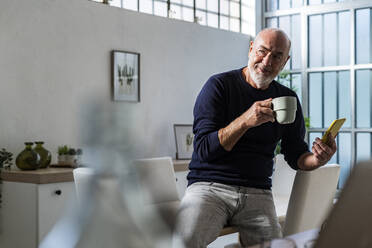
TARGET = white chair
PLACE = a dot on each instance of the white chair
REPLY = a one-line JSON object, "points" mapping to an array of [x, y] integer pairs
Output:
{"points": [[82, 177], [157, 181], [311, 198], [282, 182]]}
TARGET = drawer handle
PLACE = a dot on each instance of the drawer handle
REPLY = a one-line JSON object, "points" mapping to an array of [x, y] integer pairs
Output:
{"points": [[58, 192]]}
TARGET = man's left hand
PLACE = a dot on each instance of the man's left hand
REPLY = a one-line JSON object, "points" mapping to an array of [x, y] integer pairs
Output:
{"points": [[323, 152]]}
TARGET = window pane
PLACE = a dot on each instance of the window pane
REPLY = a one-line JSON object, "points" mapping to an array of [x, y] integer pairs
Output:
{"points": [[130, 4], [344, 38], [224, 7], [175, 11], [202, 17], [234, 9], [271, 5], [272, 22], [312, 2], [363, 98], [285, 25], [344, 101], [188, 3], [234, 25], [146, 6], [297, 3], [315, 99], [176, 1], [312, 136], [330, 38], [224, 22], [330, 1], [330, 98], [315, 41], [296, 42], [284, 4], [363, 146], [212, 5], [212, 20], [247, 12], [115, 3], [187, 14], [246, 27], [297, 85], [363, 36], [344, 157], [160, 8], [201, 4]]}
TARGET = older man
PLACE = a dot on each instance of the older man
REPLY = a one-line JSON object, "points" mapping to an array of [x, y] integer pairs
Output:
{"points": [[235, 137]]}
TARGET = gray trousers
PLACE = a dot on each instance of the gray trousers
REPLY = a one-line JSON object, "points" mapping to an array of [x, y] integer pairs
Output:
{"points": [[207, 207]]}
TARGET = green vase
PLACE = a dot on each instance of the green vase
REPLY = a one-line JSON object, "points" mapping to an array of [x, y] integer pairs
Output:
{"points": [[28, 159], [45, 155]]}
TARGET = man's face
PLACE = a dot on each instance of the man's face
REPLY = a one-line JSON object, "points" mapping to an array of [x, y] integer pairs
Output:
{"points": [[267, 57]]}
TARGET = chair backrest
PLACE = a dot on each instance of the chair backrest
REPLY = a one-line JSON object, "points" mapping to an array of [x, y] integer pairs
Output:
{"points": [[311, 198], [157, 178], [81, 178], [283, 177]]}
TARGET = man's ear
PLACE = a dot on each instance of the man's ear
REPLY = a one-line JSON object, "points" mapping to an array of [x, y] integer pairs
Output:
{"points": [[250, 46]]}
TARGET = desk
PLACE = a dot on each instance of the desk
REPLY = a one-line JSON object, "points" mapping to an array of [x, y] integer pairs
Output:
{"points": [[181, 165]]}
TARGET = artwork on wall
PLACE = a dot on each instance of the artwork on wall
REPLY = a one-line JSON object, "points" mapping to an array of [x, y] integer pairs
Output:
{"points": [[126, 76], [184, 140]]}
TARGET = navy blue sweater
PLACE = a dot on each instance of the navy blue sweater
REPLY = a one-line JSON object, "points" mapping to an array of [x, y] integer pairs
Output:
{"points": [[223, 98]]}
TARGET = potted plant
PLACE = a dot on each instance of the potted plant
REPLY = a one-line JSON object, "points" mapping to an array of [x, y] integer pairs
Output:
{"points": [[68, 156], [62, 154], [5, 162]]}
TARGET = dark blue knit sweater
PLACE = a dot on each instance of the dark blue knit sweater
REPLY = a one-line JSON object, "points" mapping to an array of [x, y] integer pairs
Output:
{"points": [[223, 98]]}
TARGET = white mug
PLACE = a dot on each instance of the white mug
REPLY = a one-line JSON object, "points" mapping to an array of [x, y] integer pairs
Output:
{"points": [[285, 108]]}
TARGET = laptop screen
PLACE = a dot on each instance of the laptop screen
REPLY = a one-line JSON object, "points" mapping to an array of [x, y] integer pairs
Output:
{"points": [[350, 222]]}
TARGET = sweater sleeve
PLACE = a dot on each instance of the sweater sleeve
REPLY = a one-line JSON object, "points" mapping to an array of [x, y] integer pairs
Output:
{"points": [[209, 116], [293, 144]]}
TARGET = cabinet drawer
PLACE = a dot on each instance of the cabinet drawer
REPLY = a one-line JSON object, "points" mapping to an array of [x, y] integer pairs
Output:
{"points": [[53, 200]]}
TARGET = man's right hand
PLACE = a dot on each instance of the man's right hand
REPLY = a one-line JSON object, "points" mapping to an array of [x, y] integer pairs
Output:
{"points": [[259, 113]]}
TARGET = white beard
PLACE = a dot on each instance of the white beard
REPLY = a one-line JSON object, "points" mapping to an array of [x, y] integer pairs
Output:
{"points": [[260, 80]]}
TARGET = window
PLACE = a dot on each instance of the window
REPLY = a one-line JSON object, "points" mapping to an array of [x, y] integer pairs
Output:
{"points": [[224, 14], [332, 53]]}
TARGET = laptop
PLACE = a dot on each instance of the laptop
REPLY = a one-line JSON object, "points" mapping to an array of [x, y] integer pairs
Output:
{"points": [[350, 221]]}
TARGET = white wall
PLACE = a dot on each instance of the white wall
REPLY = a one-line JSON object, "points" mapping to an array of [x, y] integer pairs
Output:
{"points": [[55, 74]]}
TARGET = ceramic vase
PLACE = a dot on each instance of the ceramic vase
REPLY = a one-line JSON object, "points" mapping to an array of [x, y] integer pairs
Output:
{"points": [[28, 159], [45, 155]]}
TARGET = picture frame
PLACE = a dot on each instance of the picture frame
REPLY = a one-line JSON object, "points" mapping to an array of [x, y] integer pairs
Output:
{"points": [[126, 76], [184, 140]]}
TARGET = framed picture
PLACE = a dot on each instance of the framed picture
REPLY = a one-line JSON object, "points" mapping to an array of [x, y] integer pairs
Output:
{"points": [[184, 140], [126, 76]]}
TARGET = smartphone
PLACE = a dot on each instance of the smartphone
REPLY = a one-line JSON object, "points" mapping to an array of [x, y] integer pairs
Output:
{"points": [[333, 130]]}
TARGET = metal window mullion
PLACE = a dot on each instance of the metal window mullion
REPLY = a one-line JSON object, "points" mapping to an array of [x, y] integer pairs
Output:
{"points": [[229, 15], [352, 87], [194, 9], [138, 2], [219, 13], [323, 98], [304, 74], [240, 16]]}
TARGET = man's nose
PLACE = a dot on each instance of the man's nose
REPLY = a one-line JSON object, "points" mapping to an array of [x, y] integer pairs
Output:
{"points": [[267, 60]]}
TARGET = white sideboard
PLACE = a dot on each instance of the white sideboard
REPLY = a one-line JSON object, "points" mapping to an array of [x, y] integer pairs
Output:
{"points": [[32, 203]]}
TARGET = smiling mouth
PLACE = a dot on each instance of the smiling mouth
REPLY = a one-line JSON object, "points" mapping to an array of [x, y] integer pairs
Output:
{"points": [[263, 70]]}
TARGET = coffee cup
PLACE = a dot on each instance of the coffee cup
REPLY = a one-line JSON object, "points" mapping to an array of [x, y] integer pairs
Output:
{"points": [[285, 108]]}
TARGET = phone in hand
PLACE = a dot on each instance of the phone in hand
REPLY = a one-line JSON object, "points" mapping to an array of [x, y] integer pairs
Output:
{"points": [[333, 130]]}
